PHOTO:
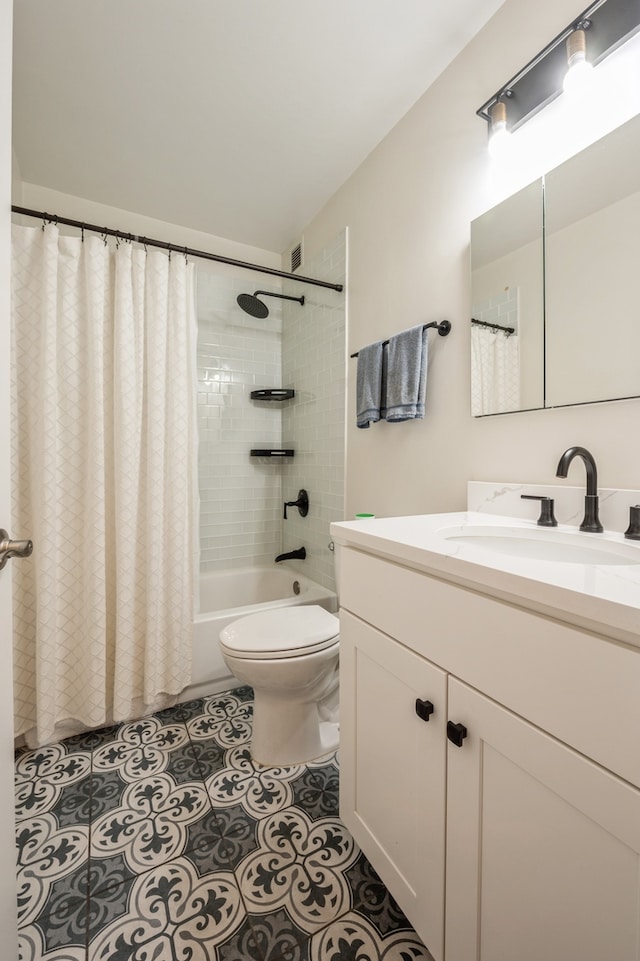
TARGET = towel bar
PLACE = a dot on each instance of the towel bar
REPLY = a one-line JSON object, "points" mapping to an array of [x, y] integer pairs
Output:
{"points": [[443, 328]]}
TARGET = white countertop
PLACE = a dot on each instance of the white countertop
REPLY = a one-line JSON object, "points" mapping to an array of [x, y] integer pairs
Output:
{"points": [[597, 597]]}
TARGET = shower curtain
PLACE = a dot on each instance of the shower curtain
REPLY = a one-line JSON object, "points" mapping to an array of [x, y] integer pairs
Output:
{"points": [[495, 371], [103, 457]]}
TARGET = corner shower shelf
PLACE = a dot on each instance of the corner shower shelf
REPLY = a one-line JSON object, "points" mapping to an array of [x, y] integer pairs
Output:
{"points": [[271, 452], [272, 393]]}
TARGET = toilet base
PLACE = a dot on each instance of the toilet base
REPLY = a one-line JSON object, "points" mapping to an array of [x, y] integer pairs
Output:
{"points": [[286, 733]]}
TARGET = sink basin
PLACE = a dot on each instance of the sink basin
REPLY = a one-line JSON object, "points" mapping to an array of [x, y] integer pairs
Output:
{"points": [[564, 547]]}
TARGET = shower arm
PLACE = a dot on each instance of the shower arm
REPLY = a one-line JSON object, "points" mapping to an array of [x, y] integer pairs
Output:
{"points": [[270, 293]]}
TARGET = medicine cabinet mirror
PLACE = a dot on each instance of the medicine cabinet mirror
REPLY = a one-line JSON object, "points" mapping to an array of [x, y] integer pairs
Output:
{"points": [[570, 290]]}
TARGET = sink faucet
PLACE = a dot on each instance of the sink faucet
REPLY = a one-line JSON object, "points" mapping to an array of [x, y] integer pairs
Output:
{"points": [[591, 522]]}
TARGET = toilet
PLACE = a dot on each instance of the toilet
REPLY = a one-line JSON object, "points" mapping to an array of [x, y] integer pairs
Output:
{"points": [[289, 656]]}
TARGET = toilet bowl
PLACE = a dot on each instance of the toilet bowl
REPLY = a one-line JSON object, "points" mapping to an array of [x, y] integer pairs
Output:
{"points": [[289, 656]]}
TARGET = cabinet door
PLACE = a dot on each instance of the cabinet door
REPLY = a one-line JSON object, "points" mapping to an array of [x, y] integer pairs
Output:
{"points": [[542, 845], [392, 783]]}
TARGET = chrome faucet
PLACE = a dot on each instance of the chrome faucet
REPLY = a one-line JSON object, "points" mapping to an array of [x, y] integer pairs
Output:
{"points": [[591, 522]]}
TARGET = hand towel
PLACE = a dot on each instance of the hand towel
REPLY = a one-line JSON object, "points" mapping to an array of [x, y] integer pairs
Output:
{"points": [[369, 384], [406, 376]]}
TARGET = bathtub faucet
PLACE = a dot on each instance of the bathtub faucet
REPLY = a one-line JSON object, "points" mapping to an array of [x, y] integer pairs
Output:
{"points": [[298, 555], [302, 504]]}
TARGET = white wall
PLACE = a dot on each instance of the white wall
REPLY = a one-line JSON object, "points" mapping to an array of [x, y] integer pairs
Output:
{"points": [[79, 208], [408, 209], [589, 277]]}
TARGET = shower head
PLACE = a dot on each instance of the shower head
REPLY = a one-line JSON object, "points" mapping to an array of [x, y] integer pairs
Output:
{"points": [[252, 306], [255, 308]]}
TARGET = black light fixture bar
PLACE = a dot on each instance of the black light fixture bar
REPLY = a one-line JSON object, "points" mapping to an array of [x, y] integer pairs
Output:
{"points": [[608, 24]]}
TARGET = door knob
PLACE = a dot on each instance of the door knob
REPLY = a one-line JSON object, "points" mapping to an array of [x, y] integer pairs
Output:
{"points": [[9, 548]]}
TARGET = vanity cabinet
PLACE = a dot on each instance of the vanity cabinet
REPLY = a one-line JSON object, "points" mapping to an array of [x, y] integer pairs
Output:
{"points": [[524, 841], [392, 762]]}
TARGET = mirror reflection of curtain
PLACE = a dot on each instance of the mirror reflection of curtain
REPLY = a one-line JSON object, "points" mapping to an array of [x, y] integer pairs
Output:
{"points": [[495, 371], [104, 450]]}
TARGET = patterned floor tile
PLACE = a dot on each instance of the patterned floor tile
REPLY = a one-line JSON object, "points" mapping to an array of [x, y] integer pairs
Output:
{"points": [[352, 938], [190, 709], [43, 774], [61, 930], [316, 790], [151, 823], [108, 786], [209, 756], [371, 899], [32, 946], [50, 862], [260, 790], [160, 839], [222, 839], [299, 865], [140, 748], [169, 912], [272, 937], [226, 718]]}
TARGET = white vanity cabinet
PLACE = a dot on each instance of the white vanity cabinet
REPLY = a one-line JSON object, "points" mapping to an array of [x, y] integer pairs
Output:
{"points": [[523, 842], [393, 763]]}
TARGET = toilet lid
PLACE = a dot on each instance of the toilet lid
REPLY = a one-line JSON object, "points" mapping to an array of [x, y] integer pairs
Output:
{"points": [[284, 632]]}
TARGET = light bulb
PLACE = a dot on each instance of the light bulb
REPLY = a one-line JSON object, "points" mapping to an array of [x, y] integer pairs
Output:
{"points": [[499, 136], [579, 75]]}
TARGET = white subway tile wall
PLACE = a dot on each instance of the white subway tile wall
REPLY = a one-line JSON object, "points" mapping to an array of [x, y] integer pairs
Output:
{"points": [[500, 309], [240, 496], [313, 422]]}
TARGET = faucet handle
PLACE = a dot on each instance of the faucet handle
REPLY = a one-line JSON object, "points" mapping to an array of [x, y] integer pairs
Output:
{"points": [[633, 530], [547, 517]]}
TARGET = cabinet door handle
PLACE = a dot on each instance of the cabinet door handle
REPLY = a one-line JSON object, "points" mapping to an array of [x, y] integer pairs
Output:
{"points": [[456, 733], [424, 709]]}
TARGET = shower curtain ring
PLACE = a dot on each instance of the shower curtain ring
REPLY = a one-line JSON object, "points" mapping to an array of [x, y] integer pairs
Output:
{"points": [[186, 258]]}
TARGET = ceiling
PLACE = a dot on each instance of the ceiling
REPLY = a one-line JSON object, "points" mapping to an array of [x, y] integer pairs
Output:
{"points": [[239, 118]]}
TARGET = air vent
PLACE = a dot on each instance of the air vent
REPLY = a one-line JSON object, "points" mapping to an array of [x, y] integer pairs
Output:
{"points": [[296, 257]]}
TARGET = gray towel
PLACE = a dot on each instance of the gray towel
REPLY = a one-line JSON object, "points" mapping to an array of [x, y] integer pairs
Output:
{"points": [[369, 384], [406, 376]]}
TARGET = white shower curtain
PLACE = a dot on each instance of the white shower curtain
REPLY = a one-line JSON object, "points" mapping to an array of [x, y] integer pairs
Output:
{"points": [[103, 455], [495, 371]]}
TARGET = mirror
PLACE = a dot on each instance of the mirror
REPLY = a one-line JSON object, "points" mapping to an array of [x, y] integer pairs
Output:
{"points": [[578, 340], [592, 272], [507, 307]]}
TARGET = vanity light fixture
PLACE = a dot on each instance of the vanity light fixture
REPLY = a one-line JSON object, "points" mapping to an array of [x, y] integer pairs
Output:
{"points": [[595, 33]]}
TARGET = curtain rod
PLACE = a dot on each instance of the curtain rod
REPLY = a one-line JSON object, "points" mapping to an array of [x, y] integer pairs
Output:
{"points": [[443, 328], [485, 323], [187, 251]]}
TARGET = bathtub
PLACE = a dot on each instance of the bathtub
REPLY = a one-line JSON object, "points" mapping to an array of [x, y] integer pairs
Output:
{"points": [[228, 595]]}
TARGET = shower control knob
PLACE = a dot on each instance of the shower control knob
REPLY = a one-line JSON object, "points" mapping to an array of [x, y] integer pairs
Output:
{"points": [[9, 548]]}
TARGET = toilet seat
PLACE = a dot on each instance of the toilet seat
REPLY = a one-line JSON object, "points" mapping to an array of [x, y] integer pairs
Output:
{"points": [[285, 632]]}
